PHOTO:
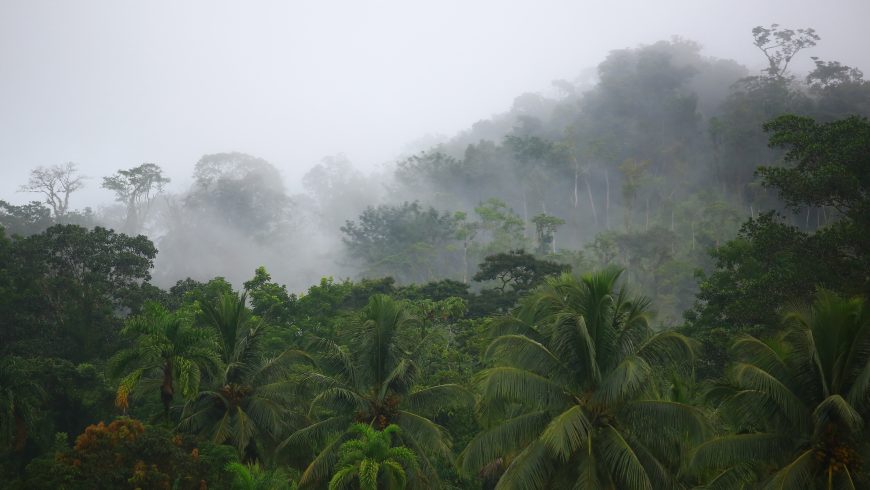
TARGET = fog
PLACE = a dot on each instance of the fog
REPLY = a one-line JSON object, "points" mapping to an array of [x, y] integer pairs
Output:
{"points": [[111, 84]]}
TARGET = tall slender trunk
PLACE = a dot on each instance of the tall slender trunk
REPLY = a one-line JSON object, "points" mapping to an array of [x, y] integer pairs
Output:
{"points": [[606, 200], [576, 178], [646, 219], [591, 201], [525, 216]]}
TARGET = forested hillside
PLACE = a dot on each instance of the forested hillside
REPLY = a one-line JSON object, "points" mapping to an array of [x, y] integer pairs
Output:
{"points": [[654, 280]]}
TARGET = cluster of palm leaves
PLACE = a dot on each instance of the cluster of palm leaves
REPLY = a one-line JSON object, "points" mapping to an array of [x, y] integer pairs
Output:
{"points": [[580, 392], [372, 462], [246, 395], [20, 398], [372, 378], [570, 398], [797, 404]]}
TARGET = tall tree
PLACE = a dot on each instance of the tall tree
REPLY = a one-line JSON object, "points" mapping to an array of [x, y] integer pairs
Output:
{"points": [[167, 347], [25, 219], [56, 183], [772, 263], [375, 382], [570, 398], [407, 241], [136, 188], [71, 286], [247, 402], [780, 46]]}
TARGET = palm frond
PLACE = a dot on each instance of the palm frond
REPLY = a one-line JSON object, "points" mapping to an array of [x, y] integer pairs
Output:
{"points": [[622, 461], [834, 409], [751, 377], [658, 418], [796, 474], [530, 470], [499, 441], [625, 381], [425, 433], [731, 450], [567, 432], [524, 353], [509, 383]]}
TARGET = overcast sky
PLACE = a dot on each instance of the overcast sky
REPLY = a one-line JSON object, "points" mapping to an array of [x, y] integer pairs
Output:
{"points": [[111, 84]]}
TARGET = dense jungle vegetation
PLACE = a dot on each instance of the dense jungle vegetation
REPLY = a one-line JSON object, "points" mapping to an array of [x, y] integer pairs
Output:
{"points": [[656, 281]]}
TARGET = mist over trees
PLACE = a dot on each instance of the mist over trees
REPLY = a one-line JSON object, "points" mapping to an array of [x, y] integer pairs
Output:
{"points": [[656, 278]]}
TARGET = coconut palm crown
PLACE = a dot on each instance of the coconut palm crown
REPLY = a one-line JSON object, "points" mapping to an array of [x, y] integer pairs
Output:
{"points": [[798, 403], [371, 379], [250, 398], [570, 399], [169, 351]]}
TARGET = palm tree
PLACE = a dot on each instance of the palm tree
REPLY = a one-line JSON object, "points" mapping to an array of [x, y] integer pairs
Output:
{"points": [[20, 399], [372, 380], [168, 349], [798, 403], [571, 399], [372, 461], [251, 396]]}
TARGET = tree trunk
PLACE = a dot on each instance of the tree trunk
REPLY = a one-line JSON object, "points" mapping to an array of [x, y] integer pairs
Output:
{"points": [[166, 389], [576, 177], [525, 216], [606, 200], [646, 220], [591, 201]]}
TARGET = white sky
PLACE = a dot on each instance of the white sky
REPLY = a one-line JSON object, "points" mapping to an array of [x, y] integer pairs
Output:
{"points": [[110, 84]]}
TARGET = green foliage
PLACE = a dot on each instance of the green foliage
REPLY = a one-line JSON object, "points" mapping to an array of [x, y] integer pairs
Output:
{"points": [[798, 401], [772, 263], [26, 219], [405, 242], [169, 350], [247, 402], [372, 377], [514, 274], [66, 287], [371, 461], [20, 401], [576, 389], [256, 477], [569, 398], [546, 227]]}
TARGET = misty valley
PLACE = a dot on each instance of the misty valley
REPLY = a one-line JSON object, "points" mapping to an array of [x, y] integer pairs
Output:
{"points": [[653, 277]]}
